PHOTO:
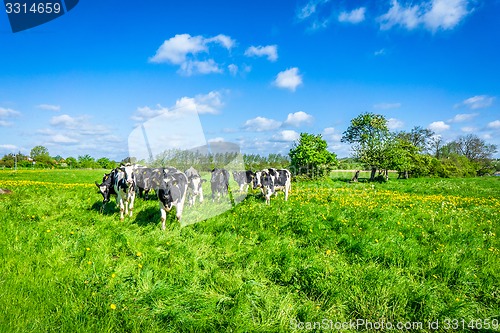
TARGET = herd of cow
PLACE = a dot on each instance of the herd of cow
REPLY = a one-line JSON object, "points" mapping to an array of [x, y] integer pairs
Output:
{"points": [[173, 186]]}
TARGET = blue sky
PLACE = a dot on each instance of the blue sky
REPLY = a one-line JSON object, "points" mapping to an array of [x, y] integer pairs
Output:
{"points": [[258, 73]]}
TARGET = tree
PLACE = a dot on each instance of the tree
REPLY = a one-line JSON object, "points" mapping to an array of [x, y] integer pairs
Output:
{"points": [[310, 157], [86, 161], [369, 135], [41, 156]]}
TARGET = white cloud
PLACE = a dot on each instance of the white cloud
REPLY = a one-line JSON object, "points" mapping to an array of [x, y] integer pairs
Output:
{"points": [[64, 120], [298, 118], [387, 106], [494, 124], [461, 117], [309, 9], [270, 51], [183, 50], [176, 49], [261, 124], [4, 123], [477, 102], [354, 16], [407, 17], [444, 14], [8, 147], [49, 107], [286, 136], [288, 79], [191, 67], [468, 129], [433, 15], [61, 138], [439, 126], [225, 41], [380, 52], [217, 139], [233, 69], [393, 123], [210, 103], [6, 112]]}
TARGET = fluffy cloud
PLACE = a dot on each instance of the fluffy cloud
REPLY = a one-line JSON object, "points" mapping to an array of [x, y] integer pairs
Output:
{"points": [[7, 113], [269, 51], [49, 107], [298, 118], [286, 136], [494, 124], [354, 16], [65, 120], [477, 102], [309, 9], [438, 126], [433, 15], [210, 103], [289, 79], [461, 117], [393, 123], [261, 124], [183, 50]]}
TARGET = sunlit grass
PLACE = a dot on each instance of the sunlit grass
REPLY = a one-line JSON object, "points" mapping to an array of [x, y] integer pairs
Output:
{"points": [[409, 250]]}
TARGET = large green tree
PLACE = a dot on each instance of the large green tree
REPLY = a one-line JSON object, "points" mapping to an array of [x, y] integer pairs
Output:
{"points": [[310, 157], [369, 135]]}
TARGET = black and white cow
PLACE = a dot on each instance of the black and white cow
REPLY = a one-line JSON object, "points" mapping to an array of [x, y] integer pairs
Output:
{"points": [[273, 180], [244, 179], [195, 183], [172, 192], [143, 180], [219, 183], [124, 186], [106, 188]]}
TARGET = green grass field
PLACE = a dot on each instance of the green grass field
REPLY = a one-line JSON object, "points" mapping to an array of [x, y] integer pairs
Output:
{"points": [[407, 251]]}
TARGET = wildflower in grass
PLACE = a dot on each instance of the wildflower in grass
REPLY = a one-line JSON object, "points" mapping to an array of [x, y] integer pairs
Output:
{"points": [[113, 275], [139, 265], [90, 262], [138, 254], [113, 306], [48, 230], [328, 252], [71, 232], [88, 249]]}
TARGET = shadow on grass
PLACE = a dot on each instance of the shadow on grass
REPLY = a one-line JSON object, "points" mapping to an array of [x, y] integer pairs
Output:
{"points": [[149, 216], [109, 208]]}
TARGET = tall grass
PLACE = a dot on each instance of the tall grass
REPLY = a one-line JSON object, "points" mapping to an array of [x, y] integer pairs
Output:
{"points": [[410, 250]]}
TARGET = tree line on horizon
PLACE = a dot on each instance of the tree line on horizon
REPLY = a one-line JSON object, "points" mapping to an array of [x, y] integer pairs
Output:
{"points": [[417, 153]]}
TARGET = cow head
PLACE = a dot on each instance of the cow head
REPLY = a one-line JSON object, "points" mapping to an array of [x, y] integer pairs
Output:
{"points": [[128, 174], [195, 184], [105, 188], [257, 180]]}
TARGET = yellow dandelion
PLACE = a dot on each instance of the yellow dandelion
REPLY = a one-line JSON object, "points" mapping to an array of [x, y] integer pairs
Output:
{"points": [[113, 275], [72, 233], [328, 252], [139, 265], [113, 306], [90, 262], [48, 230], [88, 249], [138, 254], [376, 240]]}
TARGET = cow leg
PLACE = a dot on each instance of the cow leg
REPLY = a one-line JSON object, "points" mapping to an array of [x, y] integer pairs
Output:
{"points": [[131, 204], [201, 196], [121, 208], [163, 216]]}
